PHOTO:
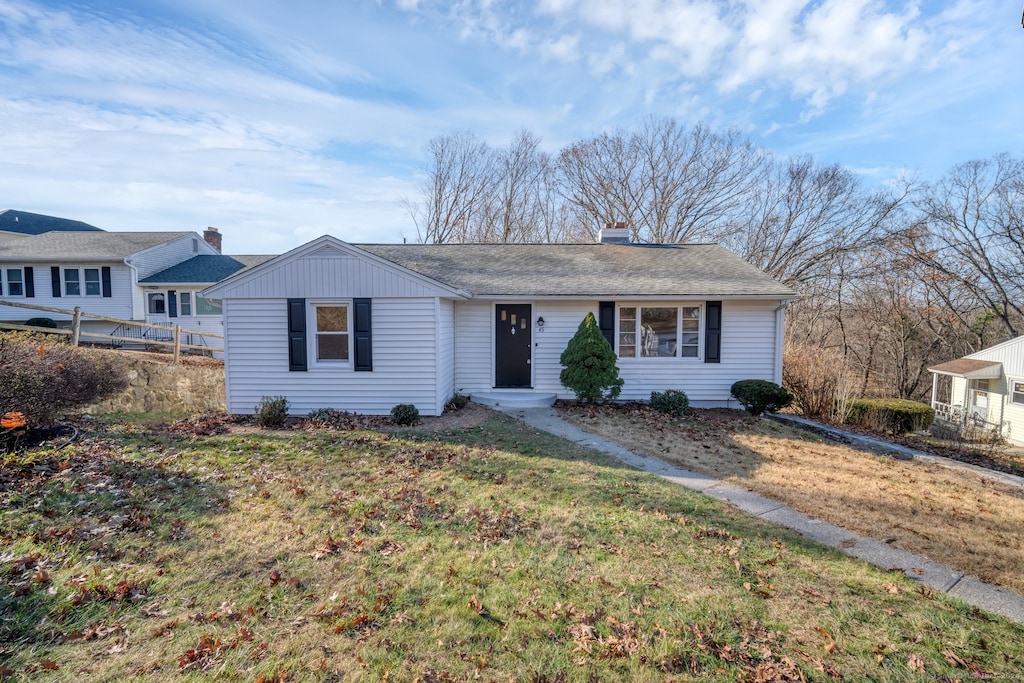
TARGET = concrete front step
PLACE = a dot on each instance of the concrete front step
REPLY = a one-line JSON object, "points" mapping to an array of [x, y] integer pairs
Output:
{"points": [[513, 399]]}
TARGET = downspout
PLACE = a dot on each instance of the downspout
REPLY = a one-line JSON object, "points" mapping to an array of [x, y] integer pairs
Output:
{"points": [[780, 318], [138, 302]]}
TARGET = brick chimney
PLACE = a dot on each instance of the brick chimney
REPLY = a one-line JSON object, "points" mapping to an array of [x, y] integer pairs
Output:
{"points": [[614, 233], [213, 238]]}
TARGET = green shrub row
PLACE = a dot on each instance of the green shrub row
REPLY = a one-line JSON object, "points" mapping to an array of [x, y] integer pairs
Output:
{"points": [[895, 415]]}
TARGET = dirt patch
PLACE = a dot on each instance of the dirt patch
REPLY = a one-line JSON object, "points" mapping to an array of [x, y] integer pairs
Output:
{"points": [[951, 516], [472, 415]]}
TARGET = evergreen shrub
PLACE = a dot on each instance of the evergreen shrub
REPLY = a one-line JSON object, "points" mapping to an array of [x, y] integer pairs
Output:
{"points": [[588, 364], [760, 396]]}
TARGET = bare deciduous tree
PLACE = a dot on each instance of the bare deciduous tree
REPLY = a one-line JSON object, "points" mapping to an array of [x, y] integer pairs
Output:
{"points": [[975, 235], [669, 184]]}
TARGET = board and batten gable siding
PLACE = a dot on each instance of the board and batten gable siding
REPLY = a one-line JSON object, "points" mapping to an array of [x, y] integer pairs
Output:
{"points": [[404, 360], [327, 273], [161, 257], [118, 305], [748, 351]]}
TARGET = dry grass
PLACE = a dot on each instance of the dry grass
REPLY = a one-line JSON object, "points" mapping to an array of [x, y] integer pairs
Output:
{"points": [[948, 515]]}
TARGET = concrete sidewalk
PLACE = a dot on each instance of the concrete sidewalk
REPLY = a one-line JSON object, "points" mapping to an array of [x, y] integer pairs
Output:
{"points": [[932, 574]]}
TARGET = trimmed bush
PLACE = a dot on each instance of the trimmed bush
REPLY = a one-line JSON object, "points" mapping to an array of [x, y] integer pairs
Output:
{"points": [[895, 415], [329, 417], [671, 401], [44, 378], [405, 414], [42, 322], [271, 412], [760, 396], [588, 364]]}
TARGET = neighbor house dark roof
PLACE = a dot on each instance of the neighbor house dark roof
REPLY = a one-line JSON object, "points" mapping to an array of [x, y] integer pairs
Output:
{"points": [[83, 246], [204, 269], [584, 269], [36, 224]]}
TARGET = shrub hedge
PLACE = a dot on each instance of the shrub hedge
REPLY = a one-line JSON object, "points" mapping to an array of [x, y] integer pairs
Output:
{"points": [[760, 396], [895, 415]]}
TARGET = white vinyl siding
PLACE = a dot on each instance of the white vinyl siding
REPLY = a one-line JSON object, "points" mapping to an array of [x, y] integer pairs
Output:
{"points": [[118, 305], [405, 361], [748, 351], [151, 261], [445, 351], [474, 346]]}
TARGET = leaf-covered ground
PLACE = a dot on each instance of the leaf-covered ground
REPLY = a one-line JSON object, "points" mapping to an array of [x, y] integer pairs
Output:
{"points": [[487, 552], [949, 515]]}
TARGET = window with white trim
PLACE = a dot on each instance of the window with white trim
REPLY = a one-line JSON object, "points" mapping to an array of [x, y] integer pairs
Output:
{"points": [[185, 303], [92, 281], [331, 337], [82, 282], [15, 282], [72, 282], [1017, 392], [206, 306], [659, 331]]}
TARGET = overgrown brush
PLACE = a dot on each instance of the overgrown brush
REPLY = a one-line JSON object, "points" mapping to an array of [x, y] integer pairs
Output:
{"points": [[44, 378], [818, 380]]}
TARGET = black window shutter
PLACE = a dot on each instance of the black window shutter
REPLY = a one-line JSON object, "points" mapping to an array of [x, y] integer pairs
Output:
{"points": [[297, 335], [606, 320], [105, 275], [713, 332], [363, 329], [30, 282], [55, 281], [172, 304]]}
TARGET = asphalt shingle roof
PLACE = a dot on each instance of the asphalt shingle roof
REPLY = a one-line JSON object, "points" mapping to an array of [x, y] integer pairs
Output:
{"points": [[584, 269], [83, 246], [36, 223], [204, 269]]}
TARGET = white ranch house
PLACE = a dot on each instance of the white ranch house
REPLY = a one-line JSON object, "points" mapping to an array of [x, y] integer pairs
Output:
{"points": [[365, 327], [985, 388]]}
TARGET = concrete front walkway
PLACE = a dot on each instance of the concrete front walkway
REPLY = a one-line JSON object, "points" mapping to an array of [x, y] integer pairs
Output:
{"points": [[932, 574]]}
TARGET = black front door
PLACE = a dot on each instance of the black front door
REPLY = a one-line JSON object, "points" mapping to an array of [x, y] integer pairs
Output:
{"points": [[513, 346]]}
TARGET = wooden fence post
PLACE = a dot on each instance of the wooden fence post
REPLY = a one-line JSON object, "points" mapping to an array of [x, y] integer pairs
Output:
{"points": [[76, 326], [177, 343]]}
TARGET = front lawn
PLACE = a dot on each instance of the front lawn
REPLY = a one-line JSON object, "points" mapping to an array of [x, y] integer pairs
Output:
{"points": [[488, 552], [949, 515]]}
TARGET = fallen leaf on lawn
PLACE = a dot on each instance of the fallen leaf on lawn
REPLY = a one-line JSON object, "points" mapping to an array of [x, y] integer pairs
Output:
{"points": [[916, 663]]}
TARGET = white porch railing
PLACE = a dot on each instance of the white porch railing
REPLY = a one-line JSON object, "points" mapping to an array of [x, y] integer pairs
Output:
{"points": [[961, 420]]}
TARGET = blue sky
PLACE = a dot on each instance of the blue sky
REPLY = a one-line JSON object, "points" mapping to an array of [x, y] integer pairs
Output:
{"points": [[278, 122]]}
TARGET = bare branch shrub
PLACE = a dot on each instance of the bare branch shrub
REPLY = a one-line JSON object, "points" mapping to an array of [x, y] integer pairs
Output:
{"points": [[817, 378], [44, 379]]}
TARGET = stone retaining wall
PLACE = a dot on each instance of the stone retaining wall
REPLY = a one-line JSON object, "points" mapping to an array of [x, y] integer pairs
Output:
{"points": [[155, 386]]}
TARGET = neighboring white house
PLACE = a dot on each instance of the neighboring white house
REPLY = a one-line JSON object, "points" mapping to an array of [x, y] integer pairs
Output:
{"points": [[986, 387], [365, 327], [154, 277]]}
